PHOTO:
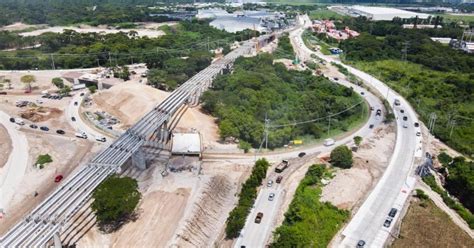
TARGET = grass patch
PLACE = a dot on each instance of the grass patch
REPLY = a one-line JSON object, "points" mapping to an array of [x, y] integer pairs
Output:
{"points": [[324, 14], [425, 225], [285, 49], [312, 41], [308, 221], [43, 159], [466, 19]]}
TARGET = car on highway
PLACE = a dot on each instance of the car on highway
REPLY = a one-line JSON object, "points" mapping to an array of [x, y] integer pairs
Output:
{"points": [[387, 222], [44, 128], [58, 178], [371, 108], [397, 102], [402, 111], [259, 217], [33, 126], [12, 119], [279, 178], [418, 134], [73, 118], [405, 118], [360, 244], [379, 112], [302, 154], [336, 79], [59, 131], [329, 142], [270, 183], [362, 93], [393, 212], [271, 196], [417, 124], [19, 122], [371, 126], [405, 125], [75, 103]]}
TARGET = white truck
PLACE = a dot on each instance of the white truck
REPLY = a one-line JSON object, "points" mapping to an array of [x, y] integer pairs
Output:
{"points": [[328, 142], [81, 134], [19, 121]]}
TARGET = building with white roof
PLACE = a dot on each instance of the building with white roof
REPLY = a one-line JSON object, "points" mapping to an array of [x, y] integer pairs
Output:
{"points": [[378, 13]]}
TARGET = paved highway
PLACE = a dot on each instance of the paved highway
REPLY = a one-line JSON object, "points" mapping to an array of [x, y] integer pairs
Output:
{"points": [[52, 216], [397, 182], [15, 168]]}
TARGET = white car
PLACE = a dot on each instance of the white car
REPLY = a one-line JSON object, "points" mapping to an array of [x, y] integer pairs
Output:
{"points": [[405, 125], [81, 135], [19, 121], [270, 183], [271, 196], [100, 138]]}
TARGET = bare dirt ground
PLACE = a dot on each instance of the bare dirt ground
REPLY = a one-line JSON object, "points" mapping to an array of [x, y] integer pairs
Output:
{"points": [[67, 154], [349, 187], [43, 80], [18, 26], [129, 101], [152, 33], [5, 146], [180, 210]]}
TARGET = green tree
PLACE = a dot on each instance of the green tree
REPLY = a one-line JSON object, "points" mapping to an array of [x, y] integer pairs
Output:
{"points": [[92, 89], [115, 200], [58, 82], [444, 158], [357, 140], [28, 80], [341, 156]]}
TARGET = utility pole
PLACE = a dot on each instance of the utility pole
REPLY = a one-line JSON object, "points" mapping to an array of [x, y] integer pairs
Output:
{"points": [[329, 123], [52, 62], [405, 51], [267, 125], [432, 122]]}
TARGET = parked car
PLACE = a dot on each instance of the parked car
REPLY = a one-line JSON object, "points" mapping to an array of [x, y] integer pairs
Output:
{"points": [[75, 103], [271, 196], [73, 118], [19, 122], [100, 138], [3, 93], [82, 94], [33, 126], [58, 178], [81, 135], [302, 154], [269, 183], [44, 128], [279, 178], [12, 119], [59, 131], [259, 217]]}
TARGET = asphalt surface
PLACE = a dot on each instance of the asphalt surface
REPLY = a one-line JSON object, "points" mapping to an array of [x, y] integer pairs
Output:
{"points": [[397, 182], [15, 168]]}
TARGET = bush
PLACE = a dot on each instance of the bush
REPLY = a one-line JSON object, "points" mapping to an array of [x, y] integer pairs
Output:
{"points": [[357, 140], [444, 158], [236, 220], [43, 159], [309, 221], [115, 200], [421, 194], [245, 146], [341, 157], [92, 89]]}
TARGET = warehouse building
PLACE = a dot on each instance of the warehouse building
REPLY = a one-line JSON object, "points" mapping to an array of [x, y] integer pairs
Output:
{"points": [[377, 13]]}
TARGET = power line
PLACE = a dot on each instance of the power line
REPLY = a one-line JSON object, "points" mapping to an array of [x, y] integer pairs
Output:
{"points": [[317, 119]]}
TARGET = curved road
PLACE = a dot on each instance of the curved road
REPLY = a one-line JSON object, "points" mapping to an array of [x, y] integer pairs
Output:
{"points": [[15, 168], [397, 182]]}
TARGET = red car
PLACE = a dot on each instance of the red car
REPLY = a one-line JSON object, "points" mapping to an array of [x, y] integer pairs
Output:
{"points": [[58, 178]]}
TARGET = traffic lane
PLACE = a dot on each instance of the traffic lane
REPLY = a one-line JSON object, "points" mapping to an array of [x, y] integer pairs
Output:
{"points": [[15, 168], [78, 124], [387, 194], [253, 234]]}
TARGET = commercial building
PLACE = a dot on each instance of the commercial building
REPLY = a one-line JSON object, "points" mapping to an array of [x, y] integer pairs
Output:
{"points": [[377, 13]]}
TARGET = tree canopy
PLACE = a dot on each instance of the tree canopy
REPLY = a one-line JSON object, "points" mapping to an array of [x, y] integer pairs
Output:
{"points": [[115, 200], [341, 156]]}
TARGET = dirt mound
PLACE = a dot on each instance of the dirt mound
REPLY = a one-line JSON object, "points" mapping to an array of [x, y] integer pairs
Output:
{"points": [[129, 101], [40, 114], [200, 230]]}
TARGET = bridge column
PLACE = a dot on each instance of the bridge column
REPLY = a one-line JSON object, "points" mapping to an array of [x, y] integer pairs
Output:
{"points": [[57, 241], [138, 159]]}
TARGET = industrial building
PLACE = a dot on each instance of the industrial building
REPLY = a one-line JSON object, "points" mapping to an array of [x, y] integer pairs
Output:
{"points": [[186, 144], [377, 13]]}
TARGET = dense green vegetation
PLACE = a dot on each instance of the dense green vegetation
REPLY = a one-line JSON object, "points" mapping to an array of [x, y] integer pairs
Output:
{"points": [[324, 14], [341, 156], [435, 79], [257, 87], [460, 209], [309, 222], [115, 200], [236, 220], [285, 49], [43, 159]]}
